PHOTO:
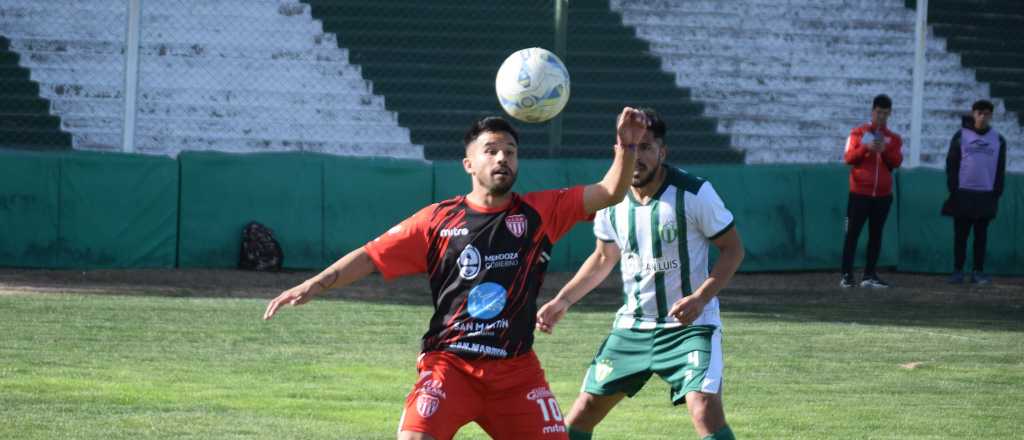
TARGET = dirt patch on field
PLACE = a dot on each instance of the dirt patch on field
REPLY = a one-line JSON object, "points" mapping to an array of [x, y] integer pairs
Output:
{"points": [[760, 288]]}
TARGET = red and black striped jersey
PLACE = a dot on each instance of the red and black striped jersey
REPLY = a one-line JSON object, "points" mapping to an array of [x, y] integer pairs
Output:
{"points": [[485, 266]]}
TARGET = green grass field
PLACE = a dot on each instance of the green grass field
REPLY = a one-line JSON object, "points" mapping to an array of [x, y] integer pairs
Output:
{"points": [[106, 366]]}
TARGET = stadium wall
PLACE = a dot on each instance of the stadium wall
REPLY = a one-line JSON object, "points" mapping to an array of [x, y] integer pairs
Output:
{"points": [[96, 210]]}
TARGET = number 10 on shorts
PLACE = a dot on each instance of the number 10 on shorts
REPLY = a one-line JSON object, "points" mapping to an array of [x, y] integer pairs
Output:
{"points": [[549, 407]]}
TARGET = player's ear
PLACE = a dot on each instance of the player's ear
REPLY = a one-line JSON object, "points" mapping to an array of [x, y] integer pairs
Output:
{"points": [[467, 165]]}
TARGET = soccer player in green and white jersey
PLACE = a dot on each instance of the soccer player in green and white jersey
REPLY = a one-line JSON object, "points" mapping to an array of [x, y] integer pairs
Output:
{"points": [[669, 323]]}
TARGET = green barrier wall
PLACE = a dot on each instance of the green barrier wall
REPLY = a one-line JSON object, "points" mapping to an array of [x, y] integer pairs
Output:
{"points": [[766, 204], [88, 210], [365, 197], [118, 210], [91, 210], [220, 193], [29, 203]]}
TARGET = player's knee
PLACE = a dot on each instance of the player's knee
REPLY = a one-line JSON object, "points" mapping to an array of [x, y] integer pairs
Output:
{"points": [[588, 410], [706, 410]]}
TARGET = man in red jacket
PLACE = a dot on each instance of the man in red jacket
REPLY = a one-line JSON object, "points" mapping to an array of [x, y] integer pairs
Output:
{"points": [[873, 152]]}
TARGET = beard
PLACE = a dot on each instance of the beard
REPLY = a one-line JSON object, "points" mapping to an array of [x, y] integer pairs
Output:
{"points": [[500, 187], [640, 179]]}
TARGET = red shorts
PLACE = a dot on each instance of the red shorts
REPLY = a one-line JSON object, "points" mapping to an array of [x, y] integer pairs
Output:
{"points": [[508, 398]]}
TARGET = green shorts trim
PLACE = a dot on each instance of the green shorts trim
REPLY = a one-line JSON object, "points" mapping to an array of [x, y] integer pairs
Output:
{"points": [[685, 357]]}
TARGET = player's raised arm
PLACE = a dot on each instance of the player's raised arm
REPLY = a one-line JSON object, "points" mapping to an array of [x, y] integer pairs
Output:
{"points": [[347, 270], [631, 126], [597, 267]]}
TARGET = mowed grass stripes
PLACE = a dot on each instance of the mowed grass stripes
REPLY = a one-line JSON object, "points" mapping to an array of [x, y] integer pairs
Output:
{"points": [[106, 366]]}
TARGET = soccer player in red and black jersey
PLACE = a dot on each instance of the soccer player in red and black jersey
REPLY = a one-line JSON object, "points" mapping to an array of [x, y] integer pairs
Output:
{"points": [[485, 254]]}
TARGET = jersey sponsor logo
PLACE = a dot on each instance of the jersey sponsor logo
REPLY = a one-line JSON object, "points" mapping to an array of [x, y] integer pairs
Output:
{"points": [[469, 262], [634, 264], [516, 224], [486, 300], [427, 405], [497, 261], [480, 328], [479, 348], [602, 370], [454, 232], [669, 232]]}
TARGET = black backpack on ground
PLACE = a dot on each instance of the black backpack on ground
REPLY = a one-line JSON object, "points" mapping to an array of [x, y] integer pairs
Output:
{"points": [[260, 251]]}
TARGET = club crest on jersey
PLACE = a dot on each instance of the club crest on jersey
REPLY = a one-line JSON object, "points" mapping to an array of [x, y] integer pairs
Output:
{"points": [[427, 405], [669, 232], [516, 224], [469, 262]]}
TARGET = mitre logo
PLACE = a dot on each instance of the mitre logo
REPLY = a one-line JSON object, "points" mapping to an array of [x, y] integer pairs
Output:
{"points": [[454, 232]]}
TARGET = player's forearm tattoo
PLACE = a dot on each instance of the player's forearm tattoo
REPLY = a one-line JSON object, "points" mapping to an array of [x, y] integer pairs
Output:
{"points": [[325, 284]]}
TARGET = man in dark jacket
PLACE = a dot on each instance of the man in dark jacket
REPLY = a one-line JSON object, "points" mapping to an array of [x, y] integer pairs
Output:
{"points": [[873, 152], [975, 169]]}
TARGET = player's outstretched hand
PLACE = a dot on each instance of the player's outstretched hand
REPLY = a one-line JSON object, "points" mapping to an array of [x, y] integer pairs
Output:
{"points": [[688, 309], [631, 126], [296, 296], [550, 313]]}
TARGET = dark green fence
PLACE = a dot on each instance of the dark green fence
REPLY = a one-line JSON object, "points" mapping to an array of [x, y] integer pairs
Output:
{"points": [[88, 210]]}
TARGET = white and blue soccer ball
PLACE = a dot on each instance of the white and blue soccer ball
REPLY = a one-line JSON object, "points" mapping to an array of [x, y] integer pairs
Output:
{"points": [[532, 85]]}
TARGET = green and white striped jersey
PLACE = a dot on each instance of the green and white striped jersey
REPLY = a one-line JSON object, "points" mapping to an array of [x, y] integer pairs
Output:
{"points": [[664, 246]]}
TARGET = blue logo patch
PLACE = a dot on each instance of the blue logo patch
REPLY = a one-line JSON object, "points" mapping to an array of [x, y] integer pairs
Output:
{"points": [[486, 300]]}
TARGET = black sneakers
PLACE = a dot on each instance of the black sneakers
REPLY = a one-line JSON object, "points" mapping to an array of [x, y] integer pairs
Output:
{"points": [[874, 282], [847, 281], [980, 278]]}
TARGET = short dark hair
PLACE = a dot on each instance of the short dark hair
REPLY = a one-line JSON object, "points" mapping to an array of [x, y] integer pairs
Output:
{"points": [[983, 104], [492, 124], [657, 124], [882, 101]]}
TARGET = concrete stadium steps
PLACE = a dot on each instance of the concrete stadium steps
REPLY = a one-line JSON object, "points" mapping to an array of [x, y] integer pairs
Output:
{"points": [[348, 99], [229, 129], [435, 62], [935, 119], [789, 80], [308, 114], [741, 43], [799, 68], [987, 35], [232, 75], [25, 119], [753, 82], [163, 144]]}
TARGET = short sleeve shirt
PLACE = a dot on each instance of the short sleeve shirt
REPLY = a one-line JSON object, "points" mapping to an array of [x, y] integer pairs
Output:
{"points": [[664, 248], [485, 267]]}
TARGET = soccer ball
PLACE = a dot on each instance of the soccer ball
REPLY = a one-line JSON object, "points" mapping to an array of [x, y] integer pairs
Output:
{"points": [[532, 85]]}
